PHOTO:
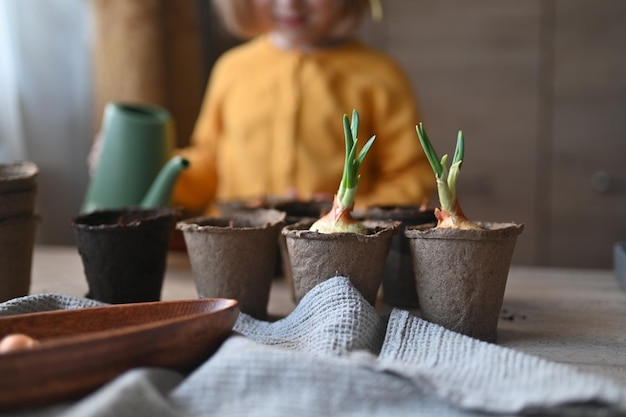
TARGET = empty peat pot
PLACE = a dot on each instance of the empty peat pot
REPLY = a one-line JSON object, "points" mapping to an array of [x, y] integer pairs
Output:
{"points": [[234, 256], [461, 275], [124, 252]]}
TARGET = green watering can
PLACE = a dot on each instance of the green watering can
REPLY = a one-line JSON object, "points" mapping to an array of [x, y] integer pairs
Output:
{"points": [[135, 167]]}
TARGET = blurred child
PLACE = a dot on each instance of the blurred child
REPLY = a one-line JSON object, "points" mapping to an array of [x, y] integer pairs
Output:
{"points": [[271, 121]]}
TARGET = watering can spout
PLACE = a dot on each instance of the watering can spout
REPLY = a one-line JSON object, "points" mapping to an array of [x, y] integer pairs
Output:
{"points": [[160, 191]]}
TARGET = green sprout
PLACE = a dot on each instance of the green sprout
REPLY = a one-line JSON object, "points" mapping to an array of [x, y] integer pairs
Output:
{"points": [[339, 218], [450, 214], [350, 179]]}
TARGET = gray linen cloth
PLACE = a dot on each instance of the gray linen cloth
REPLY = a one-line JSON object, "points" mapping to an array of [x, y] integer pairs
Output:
{"points": [[335, 356]]}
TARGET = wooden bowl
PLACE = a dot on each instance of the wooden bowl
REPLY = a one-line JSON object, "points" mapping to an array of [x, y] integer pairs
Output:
{"points": [[80, 350]]}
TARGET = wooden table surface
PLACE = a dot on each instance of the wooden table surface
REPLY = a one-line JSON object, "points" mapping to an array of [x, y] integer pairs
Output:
{"points": [[571, 316]]}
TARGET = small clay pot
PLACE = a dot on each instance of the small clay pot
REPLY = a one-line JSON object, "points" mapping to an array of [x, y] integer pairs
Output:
{"points": [[316, 257], [124, 252], [17, 239], [461, 275], [398, 281], [234, 256]]}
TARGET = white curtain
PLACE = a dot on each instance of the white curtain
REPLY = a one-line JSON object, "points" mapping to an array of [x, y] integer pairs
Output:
{"points": [[45, 102]]}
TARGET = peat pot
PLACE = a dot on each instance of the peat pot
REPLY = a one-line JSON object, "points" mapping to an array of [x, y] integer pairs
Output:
{"points": [[296, 211], [398, 281], [461, 275], [315, 257], [124, 252], [234, 256]]}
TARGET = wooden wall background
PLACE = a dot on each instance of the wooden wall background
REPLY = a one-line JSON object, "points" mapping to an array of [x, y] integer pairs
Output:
{"points": [[539, 89]]}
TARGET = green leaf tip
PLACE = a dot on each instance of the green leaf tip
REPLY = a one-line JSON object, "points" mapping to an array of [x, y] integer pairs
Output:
{"points": [[459, 151], [430, 152]]}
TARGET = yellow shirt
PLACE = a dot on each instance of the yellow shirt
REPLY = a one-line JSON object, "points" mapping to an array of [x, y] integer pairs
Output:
{"points": [[271, 122]]}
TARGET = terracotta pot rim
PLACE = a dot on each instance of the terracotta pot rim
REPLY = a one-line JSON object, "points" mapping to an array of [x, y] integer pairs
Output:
{"points": [[491, 231]]}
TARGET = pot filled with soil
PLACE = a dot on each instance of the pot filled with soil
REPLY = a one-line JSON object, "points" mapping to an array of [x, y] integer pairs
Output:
{"points": [[124, 252], [315, 257], [460, 266], [461, 275], [337, 243]]}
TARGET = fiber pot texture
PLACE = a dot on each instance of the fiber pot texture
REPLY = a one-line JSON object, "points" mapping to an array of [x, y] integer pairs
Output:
{"points": [[234, 256], [17, 239], [124, 252], [398, 280], [461, 275], [297, 211], [315, 257]]}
